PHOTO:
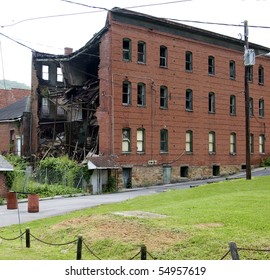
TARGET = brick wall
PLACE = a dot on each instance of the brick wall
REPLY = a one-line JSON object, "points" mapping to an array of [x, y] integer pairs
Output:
{"points": [[10, 96], [176, 119], [5, 129]]}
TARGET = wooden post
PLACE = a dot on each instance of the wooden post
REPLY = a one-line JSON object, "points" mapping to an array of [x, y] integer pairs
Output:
{"points": [[143, 252], [27, 235], [79, 247], [233, 250]]}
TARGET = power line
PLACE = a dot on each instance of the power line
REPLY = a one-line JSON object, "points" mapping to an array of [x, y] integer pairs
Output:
{"points": [[84, 5], [47, 17], [16, 41], [3, 71]]}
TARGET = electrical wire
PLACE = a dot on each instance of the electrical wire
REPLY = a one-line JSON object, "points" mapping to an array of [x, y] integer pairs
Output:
{"points": [[2, 60]]}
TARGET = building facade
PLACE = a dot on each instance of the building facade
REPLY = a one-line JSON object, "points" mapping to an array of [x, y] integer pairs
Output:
{"points": [[164, 100], [15, 122]]}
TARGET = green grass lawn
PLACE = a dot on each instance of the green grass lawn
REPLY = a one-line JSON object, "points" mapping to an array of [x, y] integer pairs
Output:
{"points": [[198, 224]]}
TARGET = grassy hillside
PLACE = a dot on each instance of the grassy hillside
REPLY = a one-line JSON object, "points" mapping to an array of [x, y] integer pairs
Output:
{"points": [[12, 84], [186, 224]]}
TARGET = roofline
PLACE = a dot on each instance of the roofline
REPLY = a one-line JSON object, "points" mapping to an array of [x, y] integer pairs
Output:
{"points": [[184, 27]]}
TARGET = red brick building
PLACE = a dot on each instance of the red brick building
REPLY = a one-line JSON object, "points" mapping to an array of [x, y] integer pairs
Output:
{"points": [[165, 100], [15, 121]]}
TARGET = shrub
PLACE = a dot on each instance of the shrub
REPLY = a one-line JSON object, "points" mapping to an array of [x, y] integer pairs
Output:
{"points": [[19, 164], [59, 170], [265, 162]]}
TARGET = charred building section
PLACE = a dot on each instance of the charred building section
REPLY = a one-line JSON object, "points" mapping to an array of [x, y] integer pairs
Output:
{"points": [[67, 96]]}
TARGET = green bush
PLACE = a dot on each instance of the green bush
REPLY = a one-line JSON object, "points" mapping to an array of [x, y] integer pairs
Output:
{"points": [[265, 162], [19, 164], [59, 170]]}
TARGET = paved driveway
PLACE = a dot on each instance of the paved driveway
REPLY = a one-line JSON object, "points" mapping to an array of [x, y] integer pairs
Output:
{"points": [[61, 206]]}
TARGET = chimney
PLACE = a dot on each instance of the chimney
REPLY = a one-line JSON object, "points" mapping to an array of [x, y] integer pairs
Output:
{"points": [[68, 51]]}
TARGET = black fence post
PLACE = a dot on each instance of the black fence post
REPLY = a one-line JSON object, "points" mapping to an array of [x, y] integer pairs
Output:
{"points": [[27, 237], [234, 251], [79, 247], [143, 252]]}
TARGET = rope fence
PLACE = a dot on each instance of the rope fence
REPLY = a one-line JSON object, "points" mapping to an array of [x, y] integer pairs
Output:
{"points": [[80, 242], [143, 253]]}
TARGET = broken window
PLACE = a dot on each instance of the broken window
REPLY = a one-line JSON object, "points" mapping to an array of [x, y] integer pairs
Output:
{"points": [[211, 102], [212, 142], [60, 111], [232, 105], [141, 52], [126, 144], [261, 75], [163, 56], [141, 94], [188, 61], [45, 108], [211, 65], [262, 144], [189, 102], [189, 141], [163, 97], [126, 95], [232, 143], [126, 49], [232, 70], [59, 75], [140, 140], [45, 72], [261, 107], [164, 141]]}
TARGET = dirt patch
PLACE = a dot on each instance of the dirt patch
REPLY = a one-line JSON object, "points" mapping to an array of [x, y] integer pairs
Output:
{"points": [[209, 225], [139, 214], [123, 229]]}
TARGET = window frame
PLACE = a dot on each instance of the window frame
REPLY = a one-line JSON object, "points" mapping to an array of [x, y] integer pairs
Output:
{"points": [[163, 56], [211, 65], [126, 140], [189, 61], [59, 75], [141, 54], [261, 108], [45, 72], [164, 97], [250, 73], [189, 141], [232, 68], [212, 142], [126, 51], [232, 105], [141, 141], [233, 143], [251, 107], [141, 94], [164, 147], [262, 144], [126, 95], [260, 75], [189, 100], [211, 102], [45, 106]]}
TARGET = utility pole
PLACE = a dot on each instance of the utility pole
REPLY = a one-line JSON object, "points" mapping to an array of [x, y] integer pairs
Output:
{"points": [[247, 104]]}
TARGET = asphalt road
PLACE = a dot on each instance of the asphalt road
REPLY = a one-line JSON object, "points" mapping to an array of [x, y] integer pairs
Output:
{"points": [[61, 205]]}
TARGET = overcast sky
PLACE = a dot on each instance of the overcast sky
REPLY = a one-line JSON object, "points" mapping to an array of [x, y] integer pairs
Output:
{"points": [[74, 25]]}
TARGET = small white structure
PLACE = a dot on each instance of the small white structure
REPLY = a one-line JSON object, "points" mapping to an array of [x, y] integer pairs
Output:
{"points": [[102, 167]]}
